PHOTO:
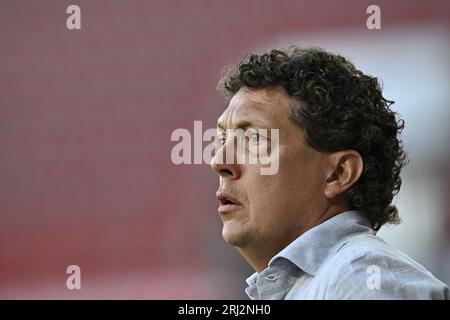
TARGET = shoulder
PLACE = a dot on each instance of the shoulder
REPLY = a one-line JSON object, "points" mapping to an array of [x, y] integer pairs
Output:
{"points": [[366, 267]]}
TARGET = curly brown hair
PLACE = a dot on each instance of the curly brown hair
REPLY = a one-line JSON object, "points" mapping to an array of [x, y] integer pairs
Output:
{"points": [[339, 108]]}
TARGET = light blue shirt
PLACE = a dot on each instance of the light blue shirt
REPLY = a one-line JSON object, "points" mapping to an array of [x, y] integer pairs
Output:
{"points": [[342, 258]]}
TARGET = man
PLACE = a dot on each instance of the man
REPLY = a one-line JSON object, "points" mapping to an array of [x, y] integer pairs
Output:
{"points": [[309, 230]]}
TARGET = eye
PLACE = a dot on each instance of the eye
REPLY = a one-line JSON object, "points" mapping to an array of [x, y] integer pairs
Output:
{"points": [[254, 137]]}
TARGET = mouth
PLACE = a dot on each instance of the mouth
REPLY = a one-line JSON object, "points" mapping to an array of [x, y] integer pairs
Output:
{"points": [[227, 202]]}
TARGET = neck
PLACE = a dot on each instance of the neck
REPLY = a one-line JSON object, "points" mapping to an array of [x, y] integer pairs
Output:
{"points": [[257, 259]]}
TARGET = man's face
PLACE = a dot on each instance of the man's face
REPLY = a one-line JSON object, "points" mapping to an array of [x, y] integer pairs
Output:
{"points": [[269, 211]]}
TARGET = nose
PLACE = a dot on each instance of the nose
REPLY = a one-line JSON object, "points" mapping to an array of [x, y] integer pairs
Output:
{"points": [[232, 169]]}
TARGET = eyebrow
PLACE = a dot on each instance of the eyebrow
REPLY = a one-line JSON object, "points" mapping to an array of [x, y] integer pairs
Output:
{"points": [[243, 124]]}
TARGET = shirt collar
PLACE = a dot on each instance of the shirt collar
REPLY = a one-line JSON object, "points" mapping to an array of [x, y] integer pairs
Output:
{"points": [[308, 252], [311, 249]]}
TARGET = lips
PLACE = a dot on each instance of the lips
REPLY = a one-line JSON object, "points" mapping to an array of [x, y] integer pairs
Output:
{"points": [[227, 202]]}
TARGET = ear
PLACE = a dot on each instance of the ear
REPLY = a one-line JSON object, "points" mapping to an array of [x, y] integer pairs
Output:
{"points": [[345, 170]]}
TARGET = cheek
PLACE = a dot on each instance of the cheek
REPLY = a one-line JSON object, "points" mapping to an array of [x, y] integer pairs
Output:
{"points": [[296, 182]]}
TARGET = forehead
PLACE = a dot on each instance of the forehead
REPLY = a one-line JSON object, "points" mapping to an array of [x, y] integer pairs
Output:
{"points": [[261, 107]]}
